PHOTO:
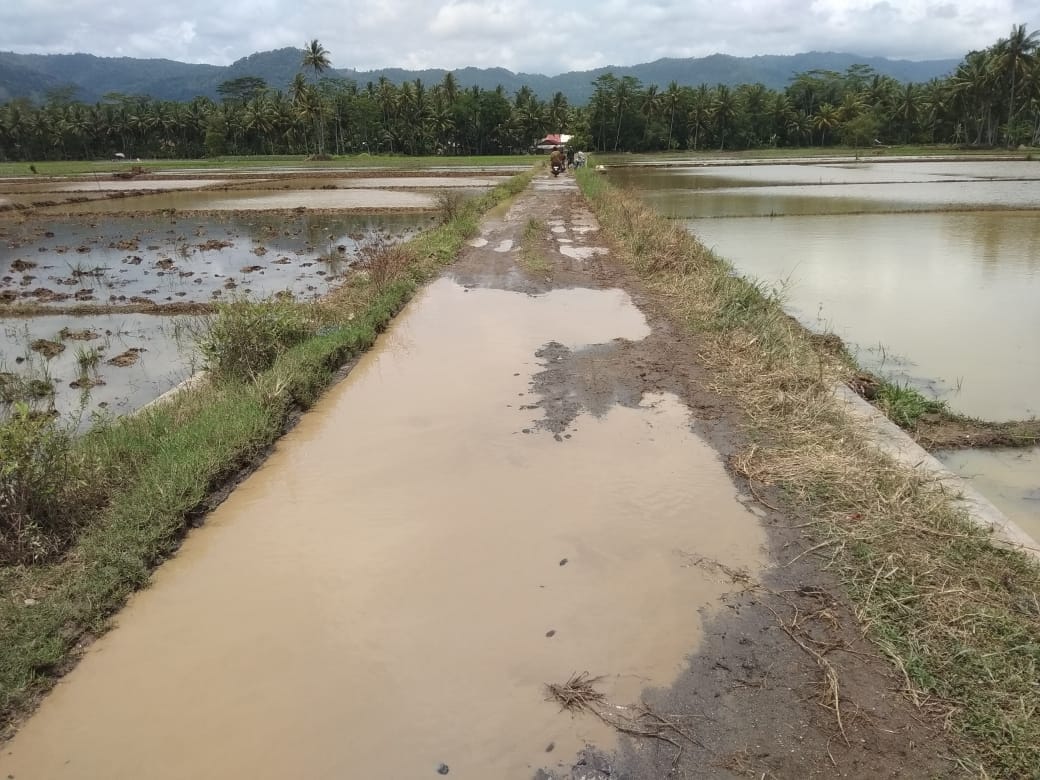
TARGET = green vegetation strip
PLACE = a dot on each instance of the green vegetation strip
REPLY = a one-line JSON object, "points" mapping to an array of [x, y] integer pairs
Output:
{"points": [[958, 615], [125, 492]]}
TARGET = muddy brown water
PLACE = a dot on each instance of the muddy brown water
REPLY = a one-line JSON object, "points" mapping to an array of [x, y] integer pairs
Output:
{"points": [[1009, 478], [377, 599]]}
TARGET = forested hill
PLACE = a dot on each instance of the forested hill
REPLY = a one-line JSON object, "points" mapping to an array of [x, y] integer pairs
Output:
{"points": [[31, 75]]}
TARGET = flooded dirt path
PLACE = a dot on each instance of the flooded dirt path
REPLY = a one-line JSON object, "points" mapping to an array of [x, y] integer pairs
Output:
{"points": [[520, 482]]}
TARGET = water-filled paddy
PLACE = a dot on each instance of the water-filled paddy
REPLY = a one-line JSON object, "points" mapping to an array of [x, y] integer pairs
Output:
{"points": [[929, 271], [105, 364], [786, 190], [130, 259], [1009, 478], [182, 241]]}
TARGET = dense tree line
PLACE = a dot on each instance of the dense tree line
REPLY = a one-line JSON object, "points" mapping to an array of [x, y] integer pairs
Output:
{"points": [[993, 98]]}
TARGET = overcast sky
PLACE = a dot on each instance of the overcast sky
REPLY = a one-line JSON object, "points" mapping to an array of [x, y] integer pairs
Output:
{"points": [[521, 35]]}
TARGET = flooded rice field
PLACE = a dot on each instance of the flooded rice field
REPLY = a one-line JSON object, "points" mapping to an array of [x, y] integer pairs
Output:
{"points": [[108, 184], [929, 271], [847, 188], [239, 199], [100, 365], [1008, 478], [947, 302], [134, 259], [173, 240], [385, 632]]}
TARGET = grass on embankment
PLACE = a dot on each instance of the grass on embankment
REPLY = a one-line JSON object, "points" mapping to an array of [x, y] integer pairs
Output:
{"points": [[146, 477], [932, 423], [958, 616]]}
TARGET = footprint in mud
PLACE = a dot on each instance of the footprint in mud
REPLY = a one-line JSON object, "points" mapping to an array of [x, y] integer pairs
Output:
{"points": [[505, 245], [477, 242]]}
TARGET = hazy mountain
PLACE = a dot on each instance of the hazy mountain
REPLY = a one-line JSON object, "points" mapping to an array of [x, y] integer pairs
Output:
{"points": [[30, 75]]}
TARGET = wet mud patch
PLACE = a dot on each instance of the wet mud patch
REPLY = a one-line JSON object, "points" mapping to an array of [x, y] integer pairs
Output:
{"points": [[754, 700], [949, 432], [782, 685], [591, 379]]}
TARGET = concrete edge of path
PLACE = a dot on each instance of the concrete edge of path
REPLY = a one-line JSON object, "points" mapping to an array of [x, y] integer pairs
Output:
{"points": [[895, 442], [194, 380]]}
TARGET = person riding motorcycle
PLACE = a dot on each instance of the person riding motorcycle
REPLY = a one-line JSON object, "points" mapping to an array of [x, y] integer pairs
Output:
{"points": [[557, 161]]}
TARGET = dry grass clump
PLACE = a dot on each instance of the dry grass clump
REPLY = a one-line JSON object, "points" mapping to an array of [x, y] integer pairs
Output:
{"points": [[579, 694], [450, 203], [958, 614], [386, 264]]}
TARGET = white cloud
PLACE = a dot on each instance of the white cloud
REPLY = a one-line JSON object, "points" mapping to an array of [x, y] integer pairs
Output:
{"points": [[518, 35]]}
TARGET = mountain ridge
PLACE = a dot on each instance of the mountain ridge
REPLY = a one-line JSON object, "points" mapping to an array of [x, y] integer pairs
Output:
{"points": [[32, 75]]}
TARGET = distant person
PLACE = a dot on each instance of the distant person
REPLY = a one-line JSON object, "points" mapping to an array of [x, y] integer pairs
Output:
{"points": [[570, 158], [579, 159], [557, 158]]}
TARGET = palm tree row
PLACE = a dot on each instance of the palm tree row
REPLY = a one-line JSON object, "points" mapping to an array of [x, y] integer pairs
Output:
{"points": [[992, 98]]}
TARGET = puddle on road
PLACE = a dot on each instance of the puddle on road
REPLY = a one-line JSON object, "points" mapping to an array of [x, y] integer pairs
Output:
{"points": [[376, 599], [1008, 478]]}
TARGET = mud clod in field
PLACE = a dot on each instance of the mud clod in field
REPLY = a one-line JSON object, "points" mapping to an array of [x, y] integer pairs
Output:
{"points": [[127, 358], [86, 382], [47, 348], [77, 335]]}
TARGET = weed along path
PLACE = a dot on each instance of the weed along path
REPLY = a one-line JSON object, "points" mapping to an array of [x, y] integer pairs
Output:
{"points": [[522, 482]]}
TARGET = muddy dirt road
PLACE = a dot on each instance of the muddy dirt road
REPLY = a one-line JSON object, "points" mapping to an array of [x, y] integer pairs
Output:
{"points": [[523, 480]]}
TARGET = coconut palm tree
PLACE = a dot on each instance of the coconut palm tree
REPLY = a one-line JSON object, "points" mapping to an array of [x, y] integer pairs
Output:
{"points": [[700, 113], [557, 112], [316, 57], [1014, 58], [908, 108], [827, 118], [672, 101], [650, 108], [724, 107]]}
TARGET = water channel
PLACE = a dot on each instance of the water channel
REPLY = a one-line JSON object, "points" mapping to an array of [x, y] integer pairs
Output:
{"points": [[930, 272]]}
